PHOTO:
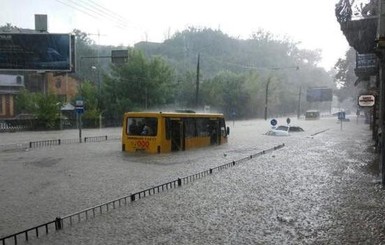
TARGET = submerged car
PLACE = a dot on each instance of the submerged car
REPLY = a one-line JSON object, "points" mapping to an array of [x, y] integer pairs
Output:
{"points": [[290, 128], [284, 130]]}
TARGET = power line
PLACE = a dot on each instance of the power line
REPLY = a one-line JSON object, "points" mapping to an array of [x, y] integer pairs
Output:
{"points": [[103, 12], [92, 12], [113, 14], [74, 7]]}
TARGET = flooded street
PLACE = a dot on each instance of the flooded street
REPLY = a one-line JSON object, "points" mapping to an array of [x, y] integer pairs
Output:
{"points": [[321, 188]]}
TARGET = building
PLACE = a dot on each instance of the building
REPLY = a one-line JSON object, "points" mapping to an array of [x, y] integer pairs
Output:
{"points": [[10, 86], [65, 86]]}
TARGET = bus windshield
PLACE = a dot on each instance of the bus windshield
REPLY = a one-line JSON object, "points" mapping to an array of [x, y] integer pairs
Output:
{"points": [[142, 126]]}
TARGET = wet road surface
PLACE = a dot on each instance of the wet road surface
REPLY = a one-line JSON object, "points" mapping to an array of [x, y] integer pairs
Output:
{"points": [[321, 188]]}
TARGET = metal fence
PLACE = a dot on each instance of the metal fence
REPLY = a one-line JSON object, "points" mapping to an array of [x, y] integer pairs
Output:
{"points": [[95, 139], [54, 142], [68, 220]]}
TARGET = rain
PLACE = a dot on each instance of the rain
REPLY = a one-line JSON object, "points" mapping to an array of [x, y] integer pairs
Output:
{"points": [[321, 187]]}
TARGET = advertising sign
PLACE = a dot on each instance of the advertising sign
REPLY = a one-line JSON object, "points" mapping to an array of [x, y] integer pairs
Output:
{"points": [[47, 52], [365, 61], [319, 94]]}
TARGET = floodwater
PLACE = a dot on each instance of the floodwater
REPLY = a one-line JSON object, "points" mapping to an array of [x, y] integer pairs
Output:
{"points": [[321, 188]]}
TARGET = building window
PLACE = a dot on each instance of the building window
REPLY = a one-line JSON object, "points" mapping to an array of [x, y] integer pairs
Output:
{"points": [[1, 104], [58, 83]]}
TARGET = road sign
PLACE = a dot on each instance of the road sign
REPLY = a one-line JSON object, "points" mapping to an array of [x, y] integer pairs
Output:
{"points": [[273, 122], [79, 106], [79, 110], [341, 115], [366, 100]]}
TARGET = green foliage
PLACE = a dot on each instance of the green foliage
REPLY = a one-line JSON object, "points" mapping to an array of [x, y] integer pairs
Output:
{"points": [[25, 102], [44, 107], [345, 76], [47, 110], [86, 55], [227, 92], [90, 96], [185, 91], [140, 84], [234, 72]]}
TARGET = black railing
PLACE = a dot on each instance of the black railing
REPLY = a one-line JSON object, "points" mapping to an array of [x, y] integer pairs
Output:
{"points": [[54, 142], [95, 139], [60, 222], [35, 231], [44, 143]]}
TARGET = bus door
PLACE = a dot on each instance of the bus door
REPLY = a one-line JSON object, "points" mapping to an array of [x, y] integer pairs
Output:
{"points": [[177, 135], [215, 132]]}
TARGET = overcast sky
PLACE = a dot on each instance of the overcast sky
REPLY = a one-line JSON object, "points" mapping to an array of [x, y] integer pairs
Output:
{"points": [[309, 22]]}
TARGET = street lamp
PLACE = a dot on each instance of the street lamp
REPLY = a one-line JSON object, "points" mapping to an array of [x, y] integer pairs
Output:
{"points": [[266, 96], [94, 68]]}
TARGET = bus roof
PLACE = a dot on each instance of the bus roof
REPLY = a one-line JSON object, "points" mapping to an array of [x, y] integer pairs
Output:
{"points": [[172, 114]]}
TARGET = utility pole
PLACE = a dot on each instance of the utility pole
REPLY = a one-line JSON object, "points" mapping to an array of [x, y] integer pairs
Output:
{"points": [[299, 103], [266, 96], [381, 51], [268, 82], [197, 84]]}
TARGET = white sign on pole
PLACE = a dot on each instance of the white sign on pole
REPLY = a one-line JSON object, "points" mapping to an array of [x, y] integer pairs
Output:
{"points": [[366, 100]]}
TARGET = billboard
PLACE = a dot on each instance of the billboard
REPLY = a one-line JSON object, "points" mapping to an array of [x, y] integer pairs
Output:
{"points": [[44, 52], [319, 94]]}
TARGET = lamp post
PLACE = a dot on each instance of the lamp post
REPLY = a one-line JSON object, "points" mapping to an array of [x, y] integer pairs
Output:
{"points": [[266, 96], [94, 68]]}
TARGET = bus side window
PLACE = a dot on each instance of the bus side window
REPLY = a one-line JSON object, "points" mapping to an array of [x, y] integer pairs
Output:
{"points": [[190, 127], [168, 128], [202, 127], [223, 127]]}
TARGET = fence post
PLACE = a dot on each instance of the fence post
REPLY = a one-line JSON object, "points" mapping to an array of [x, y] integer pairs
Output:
{"points": [[58, 223], [132, 197], [59, 141], [179, 182], [30, 144], [211, 170]]}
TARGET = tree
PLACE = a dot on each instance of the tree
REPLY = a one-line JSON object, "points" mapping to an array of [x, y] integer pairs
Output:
{"points": [[84, 53], [47, 109], [44, 107], [89, 94], [139, 84], [345, 76], [185, 90], [25, 102], [226, 92]]}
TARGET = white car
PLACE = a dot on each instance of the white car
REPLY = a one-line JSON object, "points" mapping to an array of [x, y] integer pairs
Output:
{"points": [[284, 130], [278, 132]]}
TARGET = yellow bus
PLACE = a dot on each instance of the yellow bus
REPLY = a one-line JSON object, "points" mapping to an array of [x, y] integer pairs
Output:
{"points": [[161, 132]]}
